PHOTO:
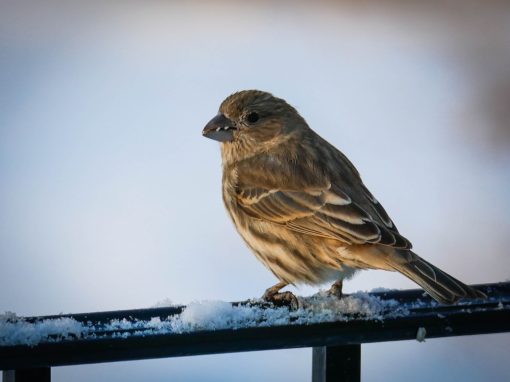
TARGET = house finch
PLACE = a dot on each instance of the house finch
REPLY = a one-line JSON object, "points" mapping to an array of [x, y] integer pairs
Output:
{"points": [[301, 205]]}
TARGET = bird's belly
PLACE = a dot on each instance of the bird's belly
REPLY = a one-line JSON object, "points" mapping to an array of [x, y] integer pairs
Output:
{"points": [[294, 257]]}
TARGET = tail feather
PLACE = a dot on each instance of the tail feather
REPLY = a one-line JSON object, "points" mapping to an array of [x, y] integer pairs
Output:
{"points": [[439, 284]]}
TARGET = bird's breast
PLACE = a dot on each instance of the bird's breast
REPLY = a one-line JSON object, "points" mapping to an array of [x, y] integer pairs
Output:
{"points": [[291, 256]]}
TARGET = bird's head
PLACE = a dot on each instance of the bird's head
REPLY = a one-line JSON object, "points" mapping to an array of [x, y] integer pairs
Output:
{"points": [[252, 120]]}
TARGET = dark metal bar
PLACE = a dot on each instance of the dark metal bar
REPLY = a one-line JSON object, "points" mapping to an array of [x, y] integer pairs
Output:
{"points": [[42, 374], [249, 339], [483, 317], [336, 363]]}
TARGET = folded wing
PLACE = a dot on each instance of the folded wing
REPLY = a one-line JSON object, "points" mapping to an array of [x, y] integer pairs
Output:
{"points": [[325, 211]]}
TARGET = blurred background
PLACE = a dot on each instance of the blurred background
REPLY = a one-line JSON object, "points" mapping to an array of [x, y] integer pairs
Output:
{"points": [[110, 197]]}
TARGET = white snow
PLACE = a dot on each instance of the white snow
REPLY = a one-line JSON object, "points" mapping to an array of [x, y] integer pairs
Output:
{"points": [[214, 315], [17, 331], [382, 290]]}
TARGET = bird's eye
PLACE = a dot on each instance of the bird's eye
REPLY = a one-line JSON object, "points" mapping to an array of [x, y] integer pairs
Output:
{"points": [[252, 117]]}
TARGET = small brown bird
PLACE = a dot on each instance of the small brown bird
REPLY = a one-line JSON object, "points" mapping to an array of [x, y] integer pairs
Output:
{"points": [[301, 206]]}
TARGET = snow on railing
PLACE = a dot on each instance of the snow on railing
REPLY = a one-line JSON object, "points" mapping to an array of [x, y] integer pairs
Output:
{"points": [[199, 316]]}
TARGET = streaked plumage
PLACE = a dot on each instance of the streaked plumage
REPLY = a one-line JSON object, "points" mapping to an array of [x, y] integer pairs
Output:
{"points": [[301, 205]]}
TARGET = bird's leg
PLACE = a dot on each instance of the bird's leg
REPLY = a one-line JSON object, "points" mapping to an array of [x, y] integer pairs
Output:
{"points": [[336, 289], [278, 298], [271, 292]]}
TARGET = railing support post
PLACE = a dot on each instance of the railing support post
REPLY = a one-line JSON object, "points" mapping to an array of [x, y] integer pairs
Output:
{"points": [[336, 363], [42, 374]]}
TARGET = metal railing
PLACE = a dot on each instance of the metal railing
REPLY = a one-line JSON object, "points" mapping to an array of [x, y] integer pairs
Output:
{"points": [[336, 345]]}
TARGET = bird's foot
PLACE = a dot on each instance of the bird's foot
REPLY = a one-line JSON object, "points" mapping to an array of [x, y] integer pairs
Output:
{"points": [[336, 289], [282, 299], [277, 298]]}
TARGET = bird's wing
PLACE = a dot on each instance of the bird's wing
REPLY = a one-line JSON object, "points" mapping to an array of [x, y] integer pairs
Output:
{"points": [[319, 208]]}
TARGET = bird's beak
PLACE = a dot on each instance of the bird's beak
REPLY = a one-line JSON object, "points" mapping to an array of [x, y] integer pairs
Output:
{"points": [[220, 128]]}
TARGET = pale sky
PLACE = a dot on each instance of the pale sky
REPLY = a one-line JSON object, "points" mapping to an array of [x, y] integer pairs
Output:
{"points": [[110, 196]]}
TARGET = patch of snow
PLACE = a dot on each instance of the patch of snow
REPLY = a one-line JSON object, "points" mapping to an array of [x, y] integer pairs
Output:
{"points": [[115, 325], [15, 330], [215, 315], [381, 290], [209, 316]]}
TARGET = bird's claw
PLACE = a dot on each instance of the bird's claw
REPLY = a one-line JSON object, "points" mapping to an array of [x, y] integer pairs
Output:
{"points": [[336, 290], [282, 299]]}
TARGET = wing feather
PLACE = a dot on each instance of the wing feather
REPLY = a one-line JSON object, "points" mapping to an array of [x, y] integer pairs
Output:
{"points": [[323, 214], [305, 200]]}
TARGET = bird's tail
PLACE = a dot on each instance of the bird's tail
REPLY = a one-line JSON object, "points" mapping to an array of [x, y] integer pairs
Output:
{"points": [[440, 285]]}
